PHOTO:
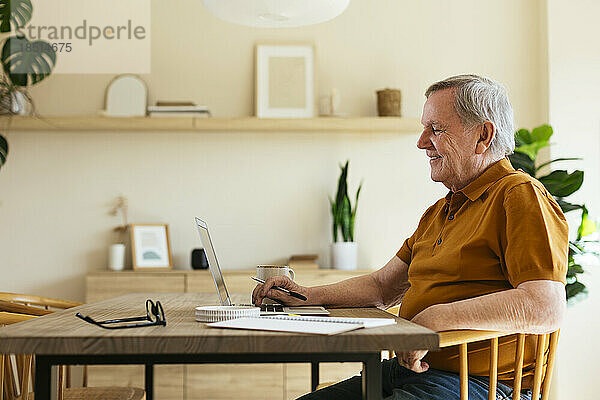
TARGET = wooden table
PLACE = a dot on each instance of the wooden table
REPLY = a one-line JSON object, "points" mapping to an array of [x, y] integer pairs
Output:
{"points": [[63, 339]]}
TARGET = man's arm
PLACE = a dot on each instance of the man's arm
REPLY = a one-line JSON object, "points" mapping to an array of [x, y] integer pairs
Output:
{"points": [[533, 307], [382, 288]]}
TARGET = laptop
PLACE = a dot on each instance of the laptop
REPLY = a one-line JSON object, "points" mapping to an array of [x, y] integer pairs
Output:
{"points": [[215, 270]]}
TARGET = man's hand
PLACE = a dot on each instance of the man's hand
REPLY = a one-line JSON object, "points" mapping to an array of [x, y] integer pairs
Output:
{"points": [[429, 318], [264, 290], [412, 360]]}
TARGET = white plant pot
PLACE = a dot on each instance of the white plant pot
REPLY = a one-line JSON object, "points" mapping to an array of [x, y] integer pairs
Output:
{"points": [[344, 255]]}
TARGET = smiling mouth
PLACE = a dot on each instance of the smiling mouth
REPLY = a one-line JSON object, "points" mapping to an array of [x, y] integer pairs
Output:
{"points": [[434, 158]]}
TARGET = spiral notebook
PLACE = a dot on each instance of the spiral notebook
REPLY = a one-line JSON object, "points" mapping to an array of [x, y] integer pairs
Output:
{"points": [[304, 324]]}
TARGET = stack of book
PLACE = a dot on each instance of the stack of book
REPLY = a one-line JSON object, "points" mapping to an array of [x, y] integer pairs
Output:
{"points": [[178, 109]]}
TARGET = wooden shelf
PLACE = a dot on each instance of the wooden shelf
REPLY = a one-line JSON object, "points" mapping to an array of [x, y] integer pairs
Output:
{"points": [[246, 124]]}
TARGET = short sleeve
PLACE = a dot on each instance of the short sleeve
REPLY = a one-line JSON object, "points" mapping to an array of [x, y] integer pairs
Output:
{"points": [[405, 252], [536, 236]]}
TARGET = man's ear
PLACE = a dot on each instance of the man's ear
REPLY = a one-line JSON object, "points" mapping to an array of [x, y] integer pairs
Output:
{"points": [[487, 131]]}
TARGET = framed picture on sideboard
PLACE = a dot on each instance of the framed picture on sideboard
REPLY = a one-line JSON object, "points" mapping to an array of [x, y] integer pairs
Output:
{"points": [[150, 247]]}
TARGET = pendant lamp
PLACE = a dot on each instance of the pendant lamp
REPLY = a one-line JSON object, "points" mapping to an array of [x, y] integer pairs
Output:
{"points": [[276, 13]]}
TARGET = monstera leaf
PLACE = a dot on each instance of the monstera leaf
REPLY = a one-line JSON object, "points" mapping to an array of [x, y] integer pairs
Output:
{"points": [[3, 150], [542, 133], [530, 143], [522, 161], [562, 184], [14, 14], [575, 288], [27, 63], [565, 206]]}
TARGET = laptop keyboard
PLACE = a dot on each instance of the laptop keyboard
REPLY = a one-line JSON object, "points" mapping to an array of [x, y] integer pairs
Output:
{"points": [[271, 308]]}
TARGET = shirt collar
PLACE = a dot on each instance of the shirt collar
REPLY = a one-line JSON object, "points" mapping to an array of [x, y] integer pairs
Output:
{"points": [[492, 174]]}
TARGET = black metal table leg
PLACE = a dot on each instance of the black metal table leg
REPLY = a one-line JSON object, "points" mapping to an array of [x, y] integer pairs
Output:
{"points": [[314, 375], [149, 380], [371, 378], [43, 371]]}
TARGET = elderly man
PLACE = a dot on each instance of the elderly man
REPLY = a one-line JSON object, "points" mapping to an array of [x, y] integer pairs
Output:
{"points": [[491, 255]]}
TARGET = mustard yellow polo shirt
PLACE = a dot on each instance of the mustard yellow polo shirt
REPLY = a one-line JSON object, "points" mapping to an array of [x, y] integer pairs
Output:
{"points": [[502, 229]]}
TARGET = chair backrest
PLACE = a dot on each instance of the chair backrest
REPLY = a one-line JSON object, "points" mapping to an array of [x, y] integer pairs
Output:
{"points": [[541, 380], [37, 301], [16, 370]]}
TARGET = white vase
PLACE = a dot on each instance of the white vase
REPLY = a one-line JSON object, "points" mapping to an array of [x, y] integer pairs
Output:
{"points": [[344, 255], [116, 257]]}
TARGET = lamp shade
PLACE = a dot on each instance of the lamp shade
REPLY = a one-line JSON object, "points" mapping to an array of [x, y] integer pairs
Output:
{"points": [[276, 13]]}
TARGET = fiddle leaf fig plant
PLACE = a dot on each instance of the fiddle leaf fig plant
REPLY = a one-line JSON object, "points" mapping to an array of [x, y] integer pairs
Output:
{"points": [[24, 63], [341, 210], [561, 184]]}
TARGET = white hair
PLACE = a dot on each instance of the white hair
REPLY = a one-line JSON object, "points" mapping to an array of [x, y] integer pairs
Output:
{"points": [[477, 100]]}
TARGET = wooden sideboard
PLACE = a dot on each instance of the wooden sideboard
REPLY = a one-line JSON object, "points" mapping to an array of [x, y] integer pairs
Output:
{"points": [[215, 382]]}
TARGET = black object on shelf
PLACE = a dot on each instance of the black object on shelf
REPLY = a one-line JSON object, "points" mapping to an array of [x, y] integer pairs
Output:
{"points": [[199, 260]]}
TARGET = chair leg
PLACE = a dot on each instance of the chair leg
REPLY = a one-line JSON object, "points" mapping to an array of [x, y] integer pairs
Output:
{"points": [[26, 375], [85, 376], [13, 367], [1, 376], [464, 372], [493, 368], [61, 384], [519, 366], [550, 366], [539, 364]]}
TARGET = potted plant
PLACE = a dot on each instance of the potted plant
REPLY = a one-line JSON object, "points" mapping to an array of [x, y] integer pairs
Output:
{"points": [[344, 253], [560, 184], [24, 63]]}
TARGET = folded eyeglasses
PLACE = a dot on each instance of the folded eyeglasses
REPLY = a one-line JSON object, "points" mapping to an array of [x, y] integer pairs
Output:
{"points": [[155, 315]]}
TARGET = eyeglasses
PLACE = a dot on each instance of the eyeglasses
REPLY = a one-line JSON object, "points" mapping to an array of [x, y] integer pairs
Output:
{"points": [[155, 315]]}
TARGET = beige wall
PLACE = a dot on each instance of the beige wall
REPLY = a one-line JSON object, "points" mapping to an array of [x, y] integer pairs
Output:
{"points": [[264, 195], [574, 72]]}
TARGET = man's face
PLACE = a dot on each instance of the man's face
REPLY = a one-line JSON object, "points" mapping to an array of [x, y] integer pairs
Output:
{"points": [[450, 148]]}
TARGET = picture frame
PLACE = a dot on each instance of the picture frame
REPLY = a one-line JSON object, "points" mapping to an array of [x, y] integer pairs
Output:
{"points": [[150, 247], [285, 81]]}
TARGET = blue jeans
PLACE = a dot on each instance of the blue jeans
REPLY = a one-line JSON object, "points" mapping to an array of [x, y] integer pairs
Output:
{"points": [[400, 383]]}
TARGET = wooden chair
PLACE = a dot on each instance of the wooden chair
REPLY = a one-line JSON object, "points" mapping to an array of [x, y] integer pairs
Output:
{"points": [[16, 370], [462, 338], [541, 380], [9, 364]]}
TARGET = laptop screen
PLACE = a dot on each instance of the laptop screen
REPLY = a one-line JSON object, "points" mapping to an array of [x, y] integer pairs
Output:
{"points": [[213, 264]]}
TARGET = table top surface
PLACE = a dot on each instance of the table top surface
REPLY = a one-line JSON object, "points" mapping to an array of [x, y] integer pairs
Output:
{"points": [[63, 333]]}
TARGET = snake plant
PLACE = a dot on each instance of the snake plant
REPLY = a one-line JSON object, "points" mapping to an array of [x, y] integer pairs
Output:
{"points": [[341, 210]]}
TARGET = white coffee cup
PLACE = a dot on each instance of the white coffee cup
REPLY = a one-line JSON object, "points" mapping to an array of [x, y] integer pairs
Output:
{"points": [[116, 257], [265, 272]]}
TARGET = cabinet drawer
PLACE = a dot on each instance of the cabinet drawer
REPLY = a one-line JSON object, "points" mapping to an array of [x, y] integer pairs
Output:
{"points": [[235, 381], [106, 285], [236, 281], [168, 379], [324, 276]]}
